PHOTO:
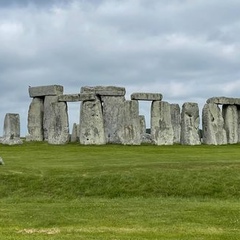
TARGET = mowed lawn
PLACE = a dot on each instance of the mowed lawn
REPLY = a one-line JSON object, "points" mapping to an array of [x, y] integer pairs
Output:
{"points": [[119, 192]]}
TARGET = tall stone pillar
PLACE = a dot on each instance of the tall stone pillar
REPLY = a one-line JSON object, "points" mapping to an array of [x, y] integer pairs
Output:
{"points": [[176, 122], [161, 125], [213, 125], [190, 124], [91, 123], [230, 115]]}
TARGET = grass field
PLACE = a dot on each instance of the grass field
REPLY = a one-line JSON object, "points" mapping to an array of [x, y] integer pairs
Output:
{"points": [[119, 192]]}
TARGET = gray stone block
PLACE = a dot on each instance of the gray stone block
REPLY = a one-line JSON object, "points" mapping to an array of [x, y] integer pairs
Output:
{"points": [[77, 97], [52, 90], [11, 126], [224, 100], [190, 124], [146, 96], [176, 122], [105, 90], [75, 133], [213, 125], [161, 125]]}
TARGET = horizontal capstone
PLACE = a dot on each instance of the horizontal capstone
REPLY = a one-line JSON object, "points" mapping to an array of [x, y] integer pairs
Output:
{"points": [[105, 90], [224, 100], [146, 96], [41, 91]]}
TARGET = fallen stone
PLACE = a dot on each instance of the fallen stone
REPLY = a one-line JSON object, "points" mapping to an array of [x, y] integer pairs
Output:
{"points": [[224, 100], [52, 90], [190, 124], [35, 120], [12, 141], [213, 125], [230, 115], [161, 125], [146, 96], [105, 90], [176, 122]]}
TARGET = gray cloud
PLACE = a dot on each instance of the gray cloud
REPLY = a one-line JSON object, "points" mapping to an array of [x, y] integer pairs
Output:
{"points": [[187, 50]]}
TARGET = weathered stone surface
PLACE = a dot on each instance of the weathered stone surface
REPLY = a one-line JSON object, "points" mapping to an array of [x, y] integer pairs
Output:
{"points": [[190, 124], [52, 90], [35, 120], [105, 90], [47, 114], [142, 124], [11, 126], [213, 125], [13, 141], [161, 125], [230, 115], [77, 97], [58, 131], [224, 100], [75, 133], [146, 96], [91, 123], [131, 132], [176, 122], [113, 116]]}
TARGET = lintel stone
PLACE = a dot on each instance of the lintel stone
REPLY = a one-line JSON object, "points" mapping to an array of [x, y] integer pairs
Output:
{"points": [[224, 100], [76, 97], [105, 90], [146, 96], [51, 90]]}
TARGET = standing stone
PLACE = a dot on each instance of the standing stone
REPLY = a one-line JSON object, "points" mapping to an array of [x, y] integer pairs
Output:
{"points": [[161, 126], [213, 125], [176, 122], [35, 120], [113, 117], [142, 124], [48, 111], [131, 132], [11, 130], [75, 133], [58, 131], [91, 123], [190, 124], [230, 115], [238, 110]]}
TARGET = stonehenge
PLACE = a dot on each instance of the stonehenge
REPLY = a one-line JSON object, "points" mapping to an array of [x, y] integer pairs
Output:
{"points": [[107, 117]]}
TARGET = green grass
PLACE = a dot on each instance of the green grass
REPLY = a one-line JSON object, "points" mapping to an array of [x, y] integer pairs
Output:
{"points": [[119, 192]]}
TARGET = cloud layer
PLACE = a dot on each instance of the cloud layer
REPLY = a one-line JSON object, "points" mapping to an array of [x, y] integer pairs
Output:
{"points": [[186, 50]]}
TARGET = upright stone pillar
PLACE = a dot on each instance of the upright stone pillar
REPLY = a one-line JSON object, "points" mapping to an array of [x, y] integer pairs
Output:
{"points": [[131, 131], [213, 125], [230, 115], [176, 122], [190, 124], [91, 123], [35, 120], [142, 124], [161, 125], [75, 133], [58, 131]]}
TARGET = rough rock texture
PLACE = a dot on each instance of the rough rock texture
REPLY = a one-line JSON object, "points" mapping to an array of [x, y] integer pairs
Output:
{"points": [[35, 120], [176, 122], [161, 126], [91, 123], [113, 116], [142, 124], [131, 131], [230, 115], [75, 133], [190, 124], [77, 97], [224, 100], [213, 125], [48, 110], [52, 90], [146, 96], [58, 132], [104, 90]]}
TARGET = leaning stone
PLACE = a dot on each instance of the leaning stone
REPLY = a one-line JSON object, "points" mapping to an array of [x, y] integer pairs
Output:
{"points": [[58, 132], [35, 120], [146, 96], [230, 115], [131, 132], [161, 126], [190, 124], [91, 123], [11, 126], [224, 101], [75, 133], [52, 90], [176, 122], [213, 125], [105, 90]]}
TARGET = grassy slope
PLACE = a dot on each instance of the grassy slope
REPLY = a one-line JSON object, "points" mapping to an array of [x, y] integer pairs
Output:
{"points": [[119, 192]]}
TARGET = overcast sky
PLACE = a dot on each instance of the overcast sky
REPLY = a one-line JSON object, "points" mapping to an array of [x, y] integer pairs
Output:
{"points": [[188, 50]]}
